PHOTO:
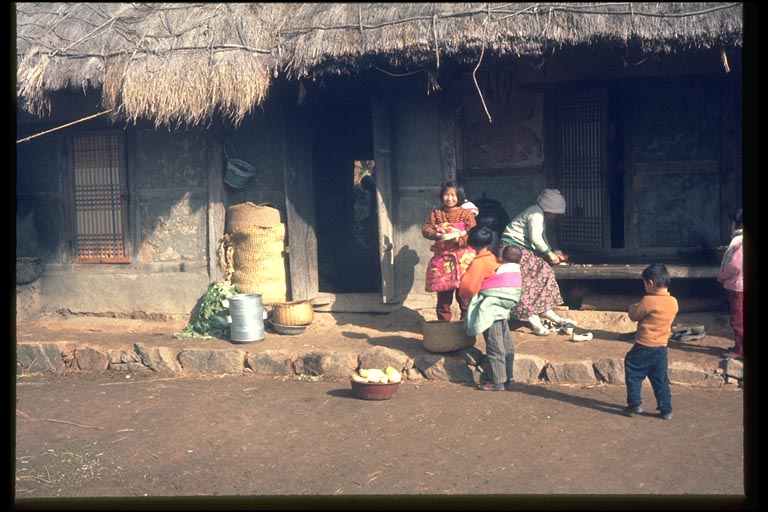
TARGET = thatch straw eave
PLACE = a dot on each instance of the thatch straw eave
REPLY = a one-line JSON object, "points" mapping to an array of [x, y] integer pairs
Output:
{"points": [[321, 33], [172, 63], [188, 62]]}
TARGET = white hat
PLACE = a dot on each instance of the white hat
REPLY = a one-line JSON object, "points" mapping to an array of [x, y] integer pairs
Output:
{"points": [[550, 200]]}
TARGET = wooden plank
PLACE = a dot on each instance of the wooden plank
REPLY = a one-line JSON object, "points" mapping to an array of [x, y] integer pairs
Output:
{"points": [[353, 303], [299, 203], [730, 157], [66, 204], [507, 172], [216, 210], [133, 169], [447, 137], [149, 195], [617, 302], [132, 269], [630, 182], [675, 167], [382, 147]]}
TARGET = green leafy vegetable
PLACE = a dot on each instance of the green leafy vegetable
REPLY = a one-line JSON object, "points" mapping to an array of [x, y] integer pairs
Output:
{"points": [[211, 318]]}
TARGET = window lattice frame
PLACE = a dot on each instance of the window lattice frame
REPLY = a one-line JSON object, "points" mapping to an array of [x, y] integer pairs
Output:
{"points": [[99, 191]]}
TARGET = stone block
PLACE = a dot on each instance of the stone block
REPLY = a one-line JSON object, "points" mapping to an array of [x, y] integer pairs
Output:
{"points": [[160, 359], [381, 357], [271, 362], [580, 372], [691, 374], [338, 365], [610, 371], [443, 367], [213, 361], [528, 369], [39, 357], [89, 359]]}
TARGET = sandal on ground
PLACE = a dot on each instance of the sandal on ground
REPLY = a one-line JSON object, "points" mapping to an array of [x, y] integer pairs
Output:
{"points": [[687, 336], [688, 329]]}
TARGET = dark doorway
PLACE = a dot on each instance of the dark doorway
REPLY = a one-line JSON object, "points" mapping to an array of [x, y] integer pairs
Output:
{"points": [[347, 231]]}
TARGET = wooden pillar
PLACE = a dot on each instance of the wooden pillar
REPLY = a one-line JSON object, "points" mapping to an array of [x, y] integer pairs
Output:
{"points": [[299, 203], [216, 210], [730, 154], [448, 131]]}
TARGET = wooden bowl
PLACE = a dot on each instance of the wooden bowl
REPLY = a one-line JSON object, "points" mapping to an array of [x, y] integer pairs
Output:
{"points": [[374, 390]]}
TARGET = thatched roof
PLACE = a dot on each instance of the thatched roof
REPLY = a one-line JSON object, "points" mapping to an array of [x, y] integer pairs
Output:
{"points": [[186, 63]]}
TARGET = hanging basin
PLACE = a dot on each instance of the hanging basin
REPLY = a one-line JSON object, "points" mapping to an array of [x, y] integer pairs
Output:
{"points": [[238, 173]]}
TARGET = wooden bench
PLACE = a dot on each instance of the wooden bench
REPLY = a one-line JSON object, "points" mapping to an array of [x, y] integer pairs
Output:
{"points": [[632, 271]]}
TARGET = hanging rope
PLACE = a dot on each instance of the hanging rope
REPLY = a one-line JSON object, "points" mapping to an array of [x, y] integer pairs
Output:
{"points": [[724, 60], [474, 77], [25, 139], [437, 44]]}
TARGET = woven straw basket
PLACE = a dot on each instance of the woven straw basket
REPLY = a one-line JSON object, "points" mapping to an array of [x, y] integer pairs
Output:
{"points": [[249, 214], [293, 313], [445, 336], [258, 262]]}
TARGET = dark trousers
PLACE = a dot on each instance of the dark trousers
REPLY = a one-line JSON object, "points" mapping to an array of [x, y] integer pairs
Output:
{"points": [[500, 351], [736, 301], [641, 362], [444, 301]]}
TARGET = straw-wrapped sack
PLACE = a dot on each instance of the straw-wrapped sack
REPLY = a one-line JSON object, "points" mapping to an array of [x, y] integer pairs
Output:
{"points": [[258, 262], [249, 214]]}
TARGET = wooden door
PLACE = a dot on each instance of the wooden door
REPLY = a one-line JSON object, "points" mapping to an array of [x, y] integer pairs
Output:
{"points": [[582, 165]]}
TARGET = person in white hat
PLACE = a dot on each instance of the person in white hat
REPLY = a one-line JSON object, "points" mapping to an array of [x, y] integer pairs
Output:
{"points": [[541, 292]]}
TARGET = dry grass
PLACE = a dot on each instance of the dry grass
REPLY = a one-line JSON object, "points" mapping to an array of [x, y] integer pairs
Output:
{"points": [[184, 63]]}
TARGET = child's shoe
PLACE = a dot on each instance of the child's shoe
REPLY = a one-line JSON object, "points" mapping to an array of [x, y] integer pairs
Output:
{"points": [[665, 415], [632, 409], [490, 386]]}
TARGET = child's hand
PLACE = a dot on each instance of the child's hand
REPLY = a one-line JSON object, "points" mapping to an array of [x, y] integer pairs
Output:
{"points": [[450, 236]]}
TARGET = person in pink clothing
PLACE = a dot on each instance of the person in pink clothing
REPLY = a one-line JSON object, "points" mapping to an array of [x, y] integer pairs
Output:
{"points": [[449, 225], [732, 276]]}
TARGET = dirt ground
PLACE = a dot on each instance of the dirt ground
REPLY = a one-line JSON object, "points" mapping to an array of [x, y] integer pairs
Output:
{"points": [[282, 439], [260, 442]]}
